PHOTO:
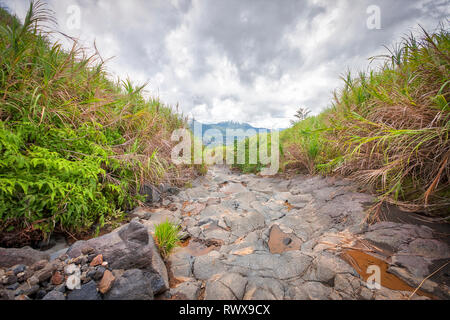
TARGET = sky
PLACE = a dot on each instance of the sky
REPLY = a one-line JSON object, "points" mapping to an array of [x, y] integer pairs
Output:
{"points": [[254, 61]]}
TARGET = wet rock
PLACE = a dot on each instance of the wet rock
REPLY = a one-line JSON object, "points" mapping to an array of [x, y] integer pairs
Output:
{"points": [[132, 285], [87, 291], [54, 295], [26, 256]]}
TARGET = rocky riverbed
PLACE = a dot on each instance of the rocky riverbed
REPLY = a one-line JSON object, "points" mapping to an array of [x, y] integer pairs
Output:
{"points": [[245, 237]]}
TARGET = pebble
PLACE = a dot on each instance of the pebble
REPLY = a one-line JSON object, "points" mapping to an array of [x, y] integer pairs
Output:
{"points": [[73, 282], [98, 260]]}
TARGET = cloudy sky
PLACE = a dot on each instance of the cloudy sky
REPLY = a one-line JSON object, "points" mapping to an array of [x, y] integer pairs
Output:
{"points": [[252, 61]]}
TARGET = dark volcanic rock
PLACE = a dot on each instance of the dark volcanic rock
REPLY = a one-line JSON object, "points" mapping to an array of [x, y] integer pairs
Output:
{"points": [[54, 295], [26, 256], [134, 284], [129, 247], [88, 291]]}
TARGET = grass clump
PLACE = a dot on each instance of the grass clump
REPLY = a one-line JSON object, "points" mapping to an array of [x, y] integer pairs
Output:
{"points": [[75, 147], [389, 129], [167, 237]]}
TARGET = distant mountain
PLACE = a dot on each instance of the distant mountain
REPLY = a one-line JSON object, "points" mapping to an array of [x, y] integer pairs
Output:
{"points": [[208, 138]]}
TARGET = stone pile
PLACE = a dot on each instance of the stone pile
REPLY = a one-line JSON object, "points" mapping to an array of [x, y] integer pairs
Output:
{"points": [[122, 265]]}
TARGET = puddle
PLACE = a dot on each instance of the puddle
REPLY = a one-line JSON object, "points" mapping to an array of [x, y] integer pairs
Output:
{"points": [[280, 242], [360, 261]]}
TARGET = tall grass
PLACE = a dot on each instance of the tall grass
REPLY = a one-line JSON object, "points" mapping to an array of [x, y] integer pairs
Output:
{"points": [[75, 147], [391, 127]]}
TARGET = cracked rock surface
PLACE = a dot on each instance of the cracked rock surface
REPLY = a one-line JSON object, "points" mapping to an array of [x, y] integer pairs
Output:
{"points": [[253, 237]]}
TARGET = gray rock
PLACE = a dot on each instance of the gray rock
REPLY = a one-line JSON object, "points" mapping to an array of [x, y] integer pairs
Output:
{"points": [[54, 295], [188, 290], [151, 193], [18, 269], [26, 256], [134, 284], [131, 246], [208, 265], [88, 291]]}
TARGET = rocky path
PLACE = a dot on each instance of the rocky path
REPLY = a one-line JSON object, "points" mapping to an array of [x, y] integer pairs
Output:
{"points": [[244, 237], [251, 237]]}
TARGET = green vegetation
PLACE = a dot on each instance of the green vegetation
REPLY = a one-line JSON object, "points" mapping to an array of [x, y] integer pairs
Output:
{"points": [[388, 129], [75, 147], [167, 237]]}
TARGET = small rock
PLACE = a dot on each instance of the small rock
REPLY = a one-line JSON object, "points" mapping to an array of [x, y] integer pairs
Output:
{"points": [[13, 286], [54, 295], [40, 294], [26, 289], [22, 297], [98, 260], [105, 264], [39, 265], [287, 241], [71, 269], [18, 269], [9, 278], [106, 282], [33, 280], [73, 282], [98, 273], [57, 278]]}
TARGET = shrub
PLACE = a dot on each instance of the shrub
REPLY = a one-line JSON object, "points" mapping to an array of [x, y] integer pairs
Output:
{"points": [[389, 130], [167, 237], [75, 147]]}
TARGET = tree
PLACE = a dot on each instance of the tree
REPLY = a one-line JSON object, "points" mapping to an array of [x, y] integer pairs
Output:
{"points": [[301, 114]]}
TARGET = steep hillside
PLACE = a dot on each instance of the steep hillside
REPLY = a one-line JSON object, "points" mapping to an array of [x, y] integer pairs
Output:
{"points": [[75, 147]]}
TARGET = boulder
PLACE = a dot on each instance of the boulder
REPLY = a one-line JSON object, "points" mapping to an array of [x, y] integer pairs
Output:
{"points": [[88, 291], [134, 284], [26, 256], [129, 247]]}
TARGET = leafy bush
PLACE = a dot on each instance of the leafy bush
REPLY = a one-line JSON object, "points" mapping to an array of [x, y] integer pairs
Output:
{"points": [[167, 237], [75, 147]]}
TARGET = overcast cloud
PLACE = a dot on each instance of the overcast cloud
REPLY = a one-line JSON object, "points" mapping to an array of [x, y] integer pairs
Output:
{"points": [[251, 61]]}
